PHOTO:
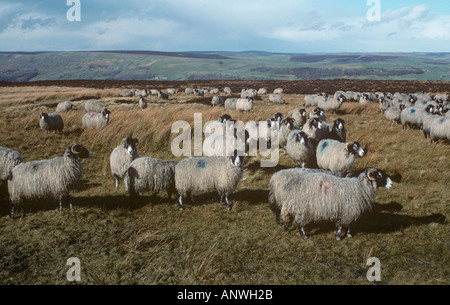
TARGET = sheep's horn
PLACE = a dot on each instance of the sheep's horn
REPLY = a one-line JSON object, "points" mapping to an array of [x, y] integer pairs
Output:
{"points": [[72, 149], [347, 146], [369, 175], [366, 149]]}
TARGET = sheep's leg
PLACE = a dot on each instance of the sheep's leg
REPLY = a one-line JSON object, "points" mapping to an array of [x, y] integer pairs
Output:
{"points": [[125, 181], [338, 233], [117, 183], [348, 232], [180, 202], [227, 206], [277, 216], [221, 197], [60, 204], [192, 198], [11, 214], [302, 232]]}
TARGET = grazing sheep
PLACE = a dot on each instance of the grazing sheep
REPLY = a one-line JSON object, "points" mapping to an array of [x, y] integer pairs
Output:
{"points": [[248, 93], [142, 102], [127, 93], [313, 99], [262, 91], [278, 91], [318, 113], [121, 158], [412, 117], [440, 129], [163, 95], [50, 122], [214, 91], [316, 130], [227, 91], [47, 178], [244, 104], [94, 106], [95, 119], [276, 98], [216, 101], [199, 92], [316, 197], [230, 103], [337, 130], [8, 160], [331, 104], [64, 106], [150, 175], [299, 115], [392, 114], [207, 174], [335, 156], [300, 148]]}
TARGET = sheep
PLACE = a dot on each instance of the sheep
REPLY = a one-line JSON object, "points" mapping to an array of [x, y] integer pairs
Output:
{"points": [[331, 104], [392, 114], [428, 118], [216, 101], [163, 95], [337, 130], [248, 93], [352, 96], [262, 91], [214, 91], [94, 106], [286, 126], [227, 91], [278, 116], [300, 148], [199, 92], [299, 115], [95, 119], [64, 106], [172, 91], [440, 129], [316, 130], [385, 103], [335, 156], [318, 113], [50, 122], [230, 103], [47, 178], [364, 99], [147, 174], [412, 117], [316, 196], [121, 158], [140, 93], [189, 91], [281, 177], [8, 160], [155, 91], [276, 98], [204, 174], [442, 96], [313, 99], [278, 91], [244, 104], [142, 102], [127, 93]]}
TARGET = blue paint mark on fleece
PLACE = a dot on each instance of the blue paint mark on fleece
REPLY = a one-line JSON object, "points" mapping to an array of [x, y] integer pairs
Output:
{"points": [[201, 164], [413, 111], [324, 145]]}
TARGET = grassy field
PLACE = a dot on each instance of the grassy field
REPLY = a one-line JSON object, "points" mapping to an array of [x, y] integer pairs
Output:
{"points": [[152, 242]]}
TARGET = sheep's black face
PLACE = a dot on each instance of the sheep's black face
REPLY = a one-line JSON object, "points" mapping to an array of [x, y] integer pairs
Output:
{"points": [[429, 109], [314, 123], [225, 117], [302, 112], [301, 138], [237, 159], [355, 148], [339, 124], [402, 106], [80, 151], [380, 177], [130, 144], [278, 116], [43, 116], [106, 113]]}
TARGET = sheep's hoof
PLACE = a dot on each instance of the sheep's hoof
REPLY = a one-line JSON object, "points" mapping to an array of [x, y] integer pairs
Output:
{"points": [[304, 237], [228, 208], [338, 238], [349, 235]]}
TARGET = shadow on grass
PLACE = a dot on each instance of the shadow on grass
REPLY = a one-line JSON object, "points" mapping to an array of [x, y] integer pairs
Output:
{"points": [[256, 165]]}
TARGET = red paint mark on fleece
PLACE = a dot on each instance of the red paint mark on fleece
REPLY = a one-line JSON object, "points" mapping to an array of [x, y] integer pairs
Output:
{"points": [[325, 188]]}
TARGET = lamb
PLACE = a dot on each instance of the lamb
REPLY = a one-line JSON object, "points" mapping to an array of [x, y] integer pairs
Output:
{"points": [[392, 114], [147, 174], [316, 196], [142, 102], [318, 113], [230, 103], [244, 104], [94, 106], [8, 160], [64, 106], [47, 178], [337, 130], [331, 104], [216, 101], [300, 148], [204, 174], [227, 91], [299, 115], [121, 158], [335, 156], [163, 95], [440, 129], [276, 98], [96, 120], [50, 122]]}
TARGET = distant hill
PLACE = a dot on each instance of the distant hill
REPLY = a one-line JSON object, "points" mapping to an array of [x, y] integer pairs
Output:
{"points": [[249, 65]]}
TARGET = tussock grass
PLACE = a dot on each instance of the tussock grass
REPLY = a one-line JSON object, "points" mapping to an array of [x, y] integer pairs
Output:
{"points": [[151, 242]]}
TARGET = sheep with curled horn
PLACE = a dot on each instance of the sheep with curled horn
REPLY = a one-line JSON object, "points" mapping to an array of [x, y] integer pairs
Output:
{"points": [[44, 179]]}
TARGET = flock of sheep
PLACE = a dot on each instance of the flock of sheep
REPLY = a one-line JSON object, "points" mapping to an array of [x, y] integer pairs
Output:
{"points": [[322, 188]]}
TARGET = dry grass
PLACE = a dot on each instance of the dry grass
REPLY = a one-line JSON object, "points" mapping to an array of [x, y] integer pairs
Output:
{"points": [[151, 242]]}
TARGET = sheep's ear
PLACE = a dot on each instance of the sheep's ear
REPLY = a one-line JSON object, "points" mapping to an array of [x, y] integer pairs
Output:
{"points": [[124, 141], [371, 174]]}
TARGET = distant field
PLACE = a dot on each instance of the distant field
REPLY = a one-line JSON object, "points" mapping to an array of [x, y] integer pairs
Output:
{"points": [[252, 65], [152, 242]]}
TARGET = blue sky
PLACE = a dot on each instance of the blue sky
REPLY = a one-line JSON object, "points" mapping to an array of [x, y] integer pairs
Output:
{"points": [[231, 25]]}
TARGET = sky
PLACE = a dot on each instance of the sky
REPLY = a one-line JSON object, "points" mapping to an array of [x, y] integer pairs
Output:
{"points": [[286, 26]]}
